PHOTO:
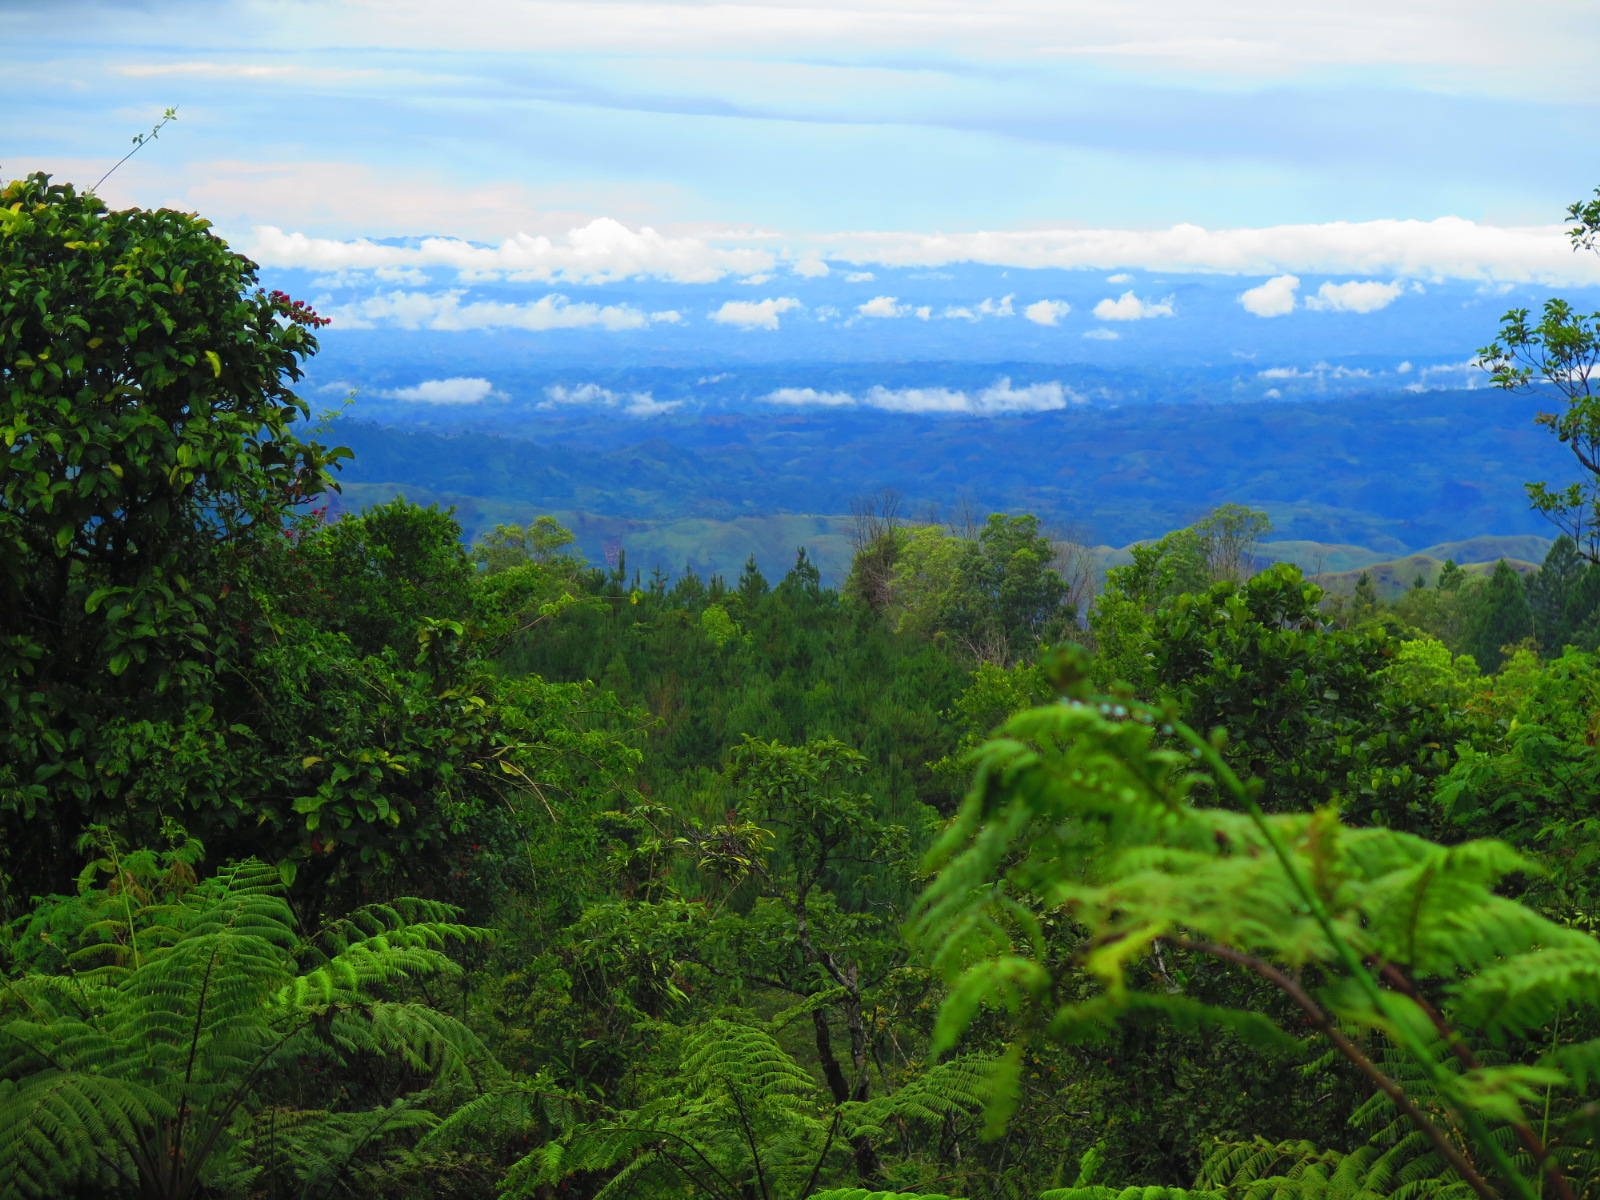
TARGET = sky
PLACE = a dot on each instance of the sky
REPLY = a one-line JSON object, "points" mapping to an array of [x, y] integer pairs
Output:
{"points": [[518, 165]]}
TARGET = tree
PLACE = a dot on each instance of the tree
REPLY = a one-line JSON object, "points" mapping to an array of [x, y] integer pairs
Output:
{"points": [[1306, 707], [150, 443], [1559, 353], [1503, 618], [1563, 596], [541, 542], [155, 1029], [1230, 537], [996, 594], [876, 535], [1364, 604], [728, 1114]]}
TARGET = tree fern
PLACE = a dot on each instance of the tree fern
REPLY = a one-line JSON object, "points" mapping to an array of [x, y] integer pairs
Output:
{"points": [[728, 1114], [1091, 811], [144, 1060]]}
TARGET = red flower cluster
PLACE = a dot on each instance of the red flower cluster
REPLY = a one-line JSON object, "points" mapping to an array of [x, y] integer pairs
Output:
{"points": [[298, 311]]}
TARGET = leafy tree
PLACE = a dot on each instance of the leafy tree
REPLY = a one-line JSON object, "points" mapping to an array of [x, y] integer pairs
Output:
{"points": [[1229, 538], [1445, 611], [1535, 786], [1220, 548], [541, 542], [995, 595], [1306, 707], [148, 425], [1558, 353], [156, 1033], [1426, 671]]}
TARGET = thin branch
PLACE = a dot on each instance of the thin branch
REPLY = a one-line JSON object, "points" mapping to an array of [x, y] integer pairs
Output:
{"points": [[138, 144]]}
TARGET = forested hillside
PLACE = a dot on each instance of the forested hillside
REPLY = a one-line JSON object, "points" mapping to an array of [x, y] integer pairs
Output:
{"points": [[344, 856]]}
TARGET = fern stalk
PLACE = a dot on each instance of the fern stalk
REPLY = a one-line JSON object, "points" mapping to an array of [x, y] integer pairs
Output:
{"points": [[1380, 1000]]}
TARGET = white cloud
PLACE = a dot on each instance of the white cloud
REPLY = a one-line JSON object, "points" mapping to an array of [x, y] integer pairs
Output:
{"points": [[799, 396], [756, 280], [924, 313], [634, 404], [599, 252], [883, 306], [1403, 369], [1359, 295], [446, 391], [670, 316], [811, 268], [1444, 376], [998, 398], [1046, 312], [1274, 298], [1443, 248], [1543, 53], [1128, 307], [604, 249], [344, 279], [1102, 335], [256, 71], [445, 311], [988, 307], [1319, 370], [755, 314]]}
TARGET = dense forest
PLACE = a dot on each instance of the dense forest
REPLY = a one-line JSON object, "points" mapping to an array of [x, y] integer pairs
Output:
{"points": [[343, 857]]}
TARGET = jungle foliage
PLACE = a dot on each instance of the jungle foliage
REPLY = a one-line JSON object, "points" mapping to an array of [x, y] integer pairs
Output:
{"points": [[344, 859]]}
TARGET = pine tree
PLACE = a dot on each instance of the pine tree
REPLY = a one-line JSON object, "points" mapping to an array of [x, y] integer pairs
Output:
{"points": [[1365, 605], [1548, 591], [1503, 617]]}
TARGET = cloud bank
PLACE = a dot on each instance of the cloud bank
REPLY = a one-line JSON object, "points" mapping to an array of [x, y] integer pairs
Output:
{"points": [[996, 399], [606, 250], [1444, 248], [599, 252]]}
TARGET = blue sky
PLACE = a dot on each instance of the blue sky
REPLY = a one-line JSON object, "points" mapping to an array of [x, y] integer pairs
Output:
{"points": [[553, 146]]}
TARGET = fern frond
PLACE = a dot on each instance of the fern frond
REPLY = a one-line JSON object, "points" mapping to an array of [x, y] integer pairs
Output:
{"points": [[56, 1126], [122, 1071]]}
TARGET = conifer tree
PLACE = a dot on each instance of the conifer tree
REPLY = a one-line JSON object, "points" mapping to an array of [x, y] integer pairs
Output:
{"points": [[1503, 617]]}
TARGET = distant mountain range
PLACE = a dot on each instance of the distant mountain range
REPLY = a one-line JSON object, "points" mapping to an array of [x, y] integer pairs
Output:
{"points": [[1348, 481]]}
